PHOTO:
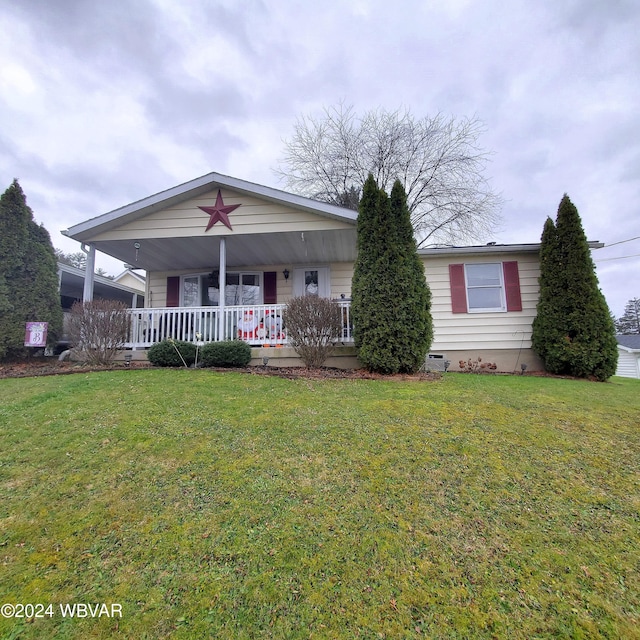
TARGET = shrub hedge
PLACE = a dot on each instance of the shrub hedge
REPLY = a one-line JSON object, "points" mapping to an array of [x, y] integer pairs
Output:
{"points": [[165, 353], [230, 353]]}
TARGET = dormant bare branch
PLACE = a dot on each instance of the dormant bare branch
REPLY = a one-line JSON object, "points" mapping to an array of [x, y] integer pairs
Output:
{"points": [[438, 160]]}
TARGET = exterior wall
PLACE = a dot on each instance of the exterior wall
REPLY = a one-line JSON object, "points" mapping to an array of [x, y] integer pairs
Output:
{"points": [[253, 216], [502, 338], [340, 274], [628, 364], [341, 277], [506, 360], [478, 333], [342, 358]]}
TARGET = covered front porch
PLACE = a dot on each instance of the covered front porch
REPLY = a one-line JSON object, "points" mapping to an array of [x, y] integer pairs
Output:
{"points": [[259, 325], [222, 258]]}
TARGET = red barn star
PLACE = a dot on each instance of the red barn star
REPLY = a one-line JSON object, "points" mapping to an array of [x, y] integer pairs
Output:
{"points": [[220, 212]]}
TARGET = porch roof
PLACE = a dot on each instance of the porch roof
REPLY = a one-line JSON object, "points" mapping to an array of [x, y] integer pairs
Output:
{"points": [[185, 250]]}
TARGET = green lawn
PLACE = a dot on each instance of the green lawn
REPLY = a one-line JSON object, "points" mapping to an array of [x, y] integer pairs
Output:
{"points": [[226, 505]]}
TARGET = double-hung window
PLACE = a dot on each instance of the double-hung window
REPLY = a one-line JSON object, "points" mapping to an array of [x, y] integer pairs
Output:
{"points": [[485, 287]]}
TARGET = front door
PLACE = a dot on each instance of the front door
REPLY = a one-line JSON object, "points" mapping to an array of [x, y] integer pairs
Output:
{"points": [[311, 281]]}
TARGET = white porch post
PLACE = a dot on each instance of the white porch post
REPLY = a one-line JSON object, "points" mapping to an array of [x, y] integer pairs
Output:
{"points": [[90, 267], [222, 277]]}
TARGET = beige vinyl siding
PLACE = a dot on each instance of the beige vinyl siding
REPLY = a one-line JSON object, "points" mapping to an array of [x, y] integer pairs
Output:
{"points": [[452, 332], [481, 331], [253, 216], [341, 277], [157, 284], [131, 281]]}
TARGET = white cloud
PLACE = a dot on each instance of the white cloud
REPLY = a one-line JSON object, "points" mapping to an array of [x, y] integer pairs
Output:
{"points": [[105, 103]]}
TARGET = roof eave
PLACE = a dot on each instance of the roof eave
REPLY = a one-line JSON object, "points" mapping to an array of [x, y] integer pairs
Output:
{"points": [[83, 231], [628, 349], [482, 249], [490, 248]]}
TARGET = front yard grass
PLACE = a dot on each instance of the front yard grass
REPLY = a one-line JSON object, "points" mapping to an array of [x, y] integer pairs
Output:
{"points": [[226, 505]]}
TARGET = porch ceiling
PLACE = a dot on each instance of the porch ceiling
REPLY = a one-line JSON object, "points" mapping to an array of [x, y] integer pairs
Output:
{"points": [[169, 254]]}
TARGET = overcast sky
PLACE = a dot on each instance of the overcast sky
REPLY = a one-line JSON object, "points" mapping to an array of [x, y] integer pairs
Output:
{"points": [[104, 103]]}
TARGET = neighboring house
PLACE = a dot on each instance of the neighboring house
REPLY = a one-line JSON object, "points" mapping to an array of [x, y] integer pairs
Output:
{"points": [[133, 281], [261, 246], [628, 356], [128, 288]]}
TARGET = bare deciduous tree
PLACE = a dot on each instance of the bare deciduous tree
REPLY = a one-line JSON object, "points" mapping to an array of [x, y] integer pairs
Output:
{"points": [[437, 160]]}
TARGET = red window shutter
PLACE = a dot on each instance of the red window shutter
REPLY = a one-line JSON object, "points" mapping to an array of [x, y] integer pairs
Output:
{"points": [[173, 291], [458, 288], [512, 286], [270, 289]]}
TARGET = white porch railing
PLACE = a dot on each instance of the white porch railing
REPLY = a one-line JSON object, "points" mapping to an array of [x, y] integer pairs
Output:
{"points": [[256, 324]]}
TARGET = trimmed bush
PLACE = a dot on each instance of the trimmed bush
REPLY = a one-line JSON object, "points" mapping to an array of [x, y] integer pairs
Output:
{"points": [[230, 353], [165, 353]]}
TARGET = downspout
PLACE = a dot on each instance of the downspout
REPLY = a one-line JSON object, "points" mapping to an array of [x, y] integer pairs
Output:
{"points": [[223, 285], [90, 267]]}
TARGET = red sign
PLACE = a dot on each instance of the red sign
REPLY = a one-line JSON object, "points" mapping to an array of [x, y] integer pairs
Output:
{"points": [[36, 334]]}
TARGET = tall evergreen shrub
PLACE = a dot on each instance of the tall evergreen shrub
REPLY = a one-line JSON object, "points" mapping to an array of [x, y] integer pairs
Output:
{"points": [[29, 289], [391, 299], [573, 331]]}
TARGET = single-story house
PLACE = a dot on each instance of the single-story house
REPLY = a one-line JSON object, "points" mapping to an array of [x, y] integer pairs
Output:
{"points": [[628, 356], [223, 256]]}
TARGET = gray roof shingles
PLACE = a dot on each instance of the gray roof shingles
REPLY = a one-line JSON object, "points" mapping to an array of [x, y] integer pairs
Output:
{"points": [[631, 342]]}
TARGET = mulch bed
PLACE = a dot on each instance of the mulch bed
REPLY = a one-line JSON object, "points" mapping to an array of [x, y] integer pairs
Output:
{"points": [[51, 366]]}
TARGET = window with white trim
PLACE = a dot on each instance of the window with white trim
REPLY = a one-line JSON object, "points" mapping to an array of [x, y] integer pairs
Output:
{"points": [[203, 290], [485, 287]]}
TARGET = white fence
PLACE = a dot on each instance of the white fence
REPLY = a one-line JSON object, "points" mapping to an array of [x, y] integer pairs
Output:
{"points": [[256, 324]]}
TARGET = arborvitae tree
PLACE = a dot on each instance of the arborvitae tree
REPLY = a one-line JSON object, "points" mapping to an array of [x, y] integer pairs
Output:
{"points": [[548, 325], [364, 289], [28, 275], [629, 323], [391, 299], [413, 326], [364, 268], [573, 332]]}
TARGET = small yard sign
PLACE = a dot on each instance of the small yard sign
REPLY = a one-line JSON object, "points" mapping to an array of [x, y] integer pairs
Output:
{"points": [[36, 334]]}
